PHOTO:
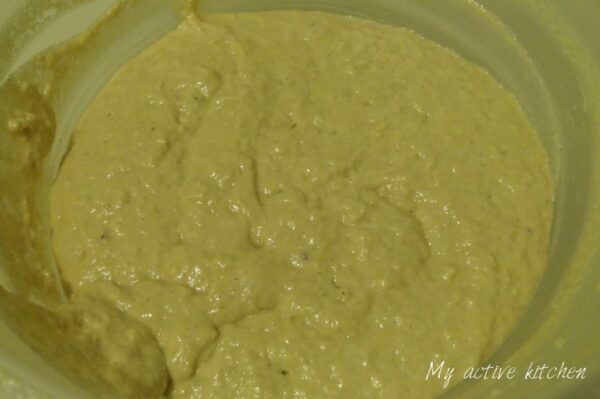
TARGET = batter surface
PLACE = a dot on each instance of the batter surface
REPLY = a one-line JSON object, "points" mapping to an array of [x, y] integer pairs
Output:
{"points": [[302, 205]]}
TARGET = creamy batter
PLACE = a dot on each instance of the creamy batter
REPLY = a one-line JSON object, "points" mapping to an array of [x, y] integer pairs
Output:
{"points": [[303, 205]]}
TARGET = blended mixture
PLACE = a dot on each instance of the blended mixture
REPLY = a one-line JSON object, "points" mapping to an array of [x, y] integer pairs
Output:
{"points": [[303, 205]]}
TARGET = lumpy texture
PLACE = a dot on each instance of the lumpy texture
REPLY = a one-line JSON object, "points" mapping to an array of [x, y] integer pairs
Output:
{"points": [[302, 205]]}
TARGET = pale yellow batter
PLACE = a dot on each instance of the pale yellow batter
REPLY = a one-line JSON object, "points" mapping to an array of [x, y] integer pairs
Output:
{"points": [[302, 205]]}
